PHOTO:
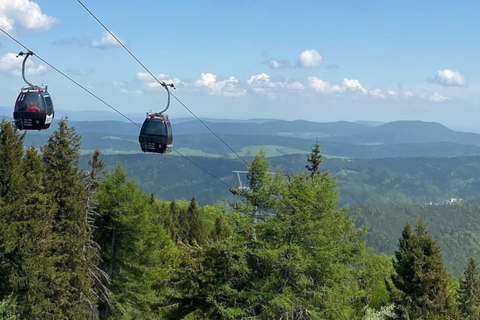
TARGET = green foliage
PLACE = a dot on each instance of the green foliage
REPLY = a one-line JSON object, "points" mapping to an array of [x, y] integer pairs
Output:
{"points": [[376, 270], [213, 281], [8, 309], [301, 258], [385, 313], [26, 265], [72, 280], [308, 245], [286, 252], [469, 291], [314, 159], [456, 227], [421, 288], [12, 193], [134, 246], [359, 181]]}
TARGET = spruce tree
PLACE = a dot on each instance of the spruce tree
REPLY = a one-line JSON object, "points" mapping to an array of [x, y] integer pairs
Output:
{"points": [[172, 222], [73, 281], [196, 231], [421, 287], [33, 277], [25, 230], [315, 159], [469, 291], [12, 195]]}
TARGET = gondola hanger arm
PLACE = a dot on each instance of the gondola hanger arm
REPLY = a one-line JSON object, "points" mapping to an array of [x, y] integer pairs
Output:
{"points": [[166, 85], [27, 54]]}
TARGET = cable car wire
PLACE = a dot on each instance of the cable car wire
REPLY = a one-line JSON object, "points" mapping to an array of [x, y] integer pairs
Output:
{"points": [[156, 79], [107, 104]]}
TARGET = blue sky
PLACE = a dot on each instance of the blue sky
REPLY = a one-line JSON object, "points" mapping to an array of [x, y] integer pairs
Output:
{"points": [[315, 60]]}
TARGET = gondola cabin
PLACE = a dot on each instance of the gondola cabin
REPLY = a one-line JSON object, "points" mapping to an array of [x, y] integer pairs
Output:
{"points": [[33, 109], [156, 134]]}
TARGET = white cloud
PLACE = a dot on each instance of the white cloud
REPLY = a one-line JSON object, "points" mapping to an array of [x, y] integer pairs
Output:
{"points": [[227, 88], [354, 85], [24, 17], [377, 93], [262, 83], [107, 41], [278, 64], [322, 86], [152, 83], [260, 80], [10, 64], [437, 98], [309, 59], [295, 85], [392, 93], [449, 78]]}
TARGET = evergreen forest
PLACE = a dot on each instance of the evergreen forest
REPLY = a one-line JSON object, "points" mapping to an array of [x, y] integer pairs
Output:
{"points": [[84, 242]]}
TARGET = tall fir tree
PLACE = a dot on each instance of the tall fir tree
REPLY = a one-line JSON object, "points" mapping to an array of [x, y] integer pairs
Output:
{"points": [[73, 281], [421, 287], [469, 291]]}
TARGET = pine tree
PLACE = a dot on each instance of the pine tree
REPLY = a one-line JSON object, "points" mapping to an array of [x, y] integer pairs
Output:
{"points": [[469, 291], [421, 287], [73, 281]]}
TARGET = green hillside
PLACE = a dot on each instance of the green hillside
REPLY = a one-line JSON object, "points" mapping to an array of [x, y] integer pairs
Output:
{"points": [[457, 227], [360, 181]]}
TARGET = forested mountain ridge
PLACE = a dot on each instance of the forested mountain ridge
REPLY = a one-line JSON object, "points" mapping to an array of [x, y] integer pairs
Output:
{"points": [[360, 181], [338, 139], [411, 132]]}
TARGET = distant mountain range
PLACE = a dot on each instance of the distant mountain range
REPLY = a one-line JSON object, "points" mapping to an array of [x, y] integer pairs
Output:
{"points": [[361, 139]]}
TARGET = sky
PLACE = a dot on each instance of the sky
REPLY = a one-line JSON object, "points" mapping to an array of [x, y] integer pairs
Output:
{"points": [[315, 60]]}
